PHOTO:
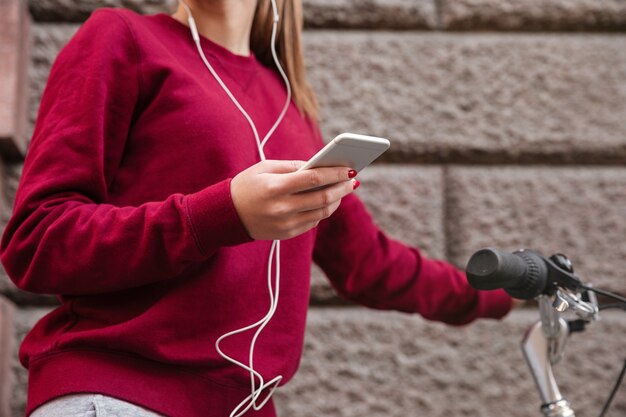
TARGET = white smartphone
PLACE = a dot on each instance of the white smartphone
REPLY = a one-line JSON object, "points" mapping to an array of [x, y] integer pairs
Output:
{"points": [[349, 150]]}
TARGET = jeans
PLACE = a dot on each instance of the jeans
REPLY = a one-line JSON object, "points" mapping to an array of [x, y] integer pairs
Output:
{"points": [[91, 405]]}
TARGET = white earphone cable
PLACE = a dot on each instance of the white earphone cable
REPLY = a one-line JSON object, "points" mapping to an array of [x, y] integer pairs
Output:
{"points": [[196, 38], [282, 73], [251, 400]]}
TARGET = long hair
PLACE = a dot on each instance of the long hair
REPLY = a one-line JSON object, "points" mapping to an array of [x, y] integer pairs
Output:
{"points": [[288, 49]]}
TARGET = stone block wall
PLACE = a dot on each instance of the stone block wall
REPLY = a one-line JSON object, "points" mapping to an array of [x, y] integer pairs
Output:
{"points": [[508, 125]]}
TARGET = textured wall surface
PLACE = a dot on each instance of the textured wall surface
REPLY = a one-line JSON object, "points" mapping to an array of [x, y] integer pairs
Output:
{"points": [[14, 45], [479, 98], [395, 14], [370, 14], [580, 212], [508, 124], [5, 209], [396, 365], [7, 344], [529, 15]]}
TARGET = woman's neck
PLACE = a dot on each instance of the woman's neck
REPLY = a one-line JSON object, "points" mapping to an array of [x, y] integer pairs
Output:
{"points": [[225, 22]]}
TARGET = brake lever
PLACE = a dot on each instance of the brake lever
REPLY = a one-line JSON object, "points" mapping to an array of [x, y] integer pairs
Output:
{"points": [[561, 273], [565, 300]]}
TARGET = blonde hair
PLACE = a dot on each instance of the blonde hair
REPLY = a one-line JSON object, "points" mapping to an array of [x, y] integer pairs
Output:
{"points": [[288, 49]]}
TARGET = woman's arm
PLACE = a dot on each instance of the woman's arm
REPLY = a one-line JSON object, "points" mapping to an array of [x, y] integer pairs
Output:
{"points": [[63, 237], [366, 266]]}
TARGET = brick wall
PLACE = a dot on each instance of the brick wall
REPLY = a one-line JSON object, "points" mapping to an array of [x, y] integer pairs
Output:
{"points": [[508, 124]]}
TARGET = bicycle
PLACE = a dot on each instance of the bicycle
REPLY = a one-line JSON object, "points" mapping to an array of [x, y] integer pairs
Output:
{"points": [[527, 274]]}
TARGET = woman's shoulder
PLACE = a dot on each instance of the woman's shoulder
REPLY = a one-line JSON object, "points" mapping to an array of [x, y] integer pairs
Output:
{"points": [[111, 20], [108, 28], [110, 14], [108, 25], [104, 43], [121, 25]]}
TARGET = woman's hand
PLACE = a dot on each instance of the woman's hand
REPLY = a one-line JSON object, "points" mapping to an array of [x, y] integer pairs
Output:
{"points": [[517, 303], [275, 202]]}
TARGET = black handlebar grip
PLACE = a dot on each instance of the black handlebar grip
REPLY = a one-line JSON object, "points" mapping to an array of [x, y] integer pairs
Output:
{"points": [[522, 274], [489, 269]]}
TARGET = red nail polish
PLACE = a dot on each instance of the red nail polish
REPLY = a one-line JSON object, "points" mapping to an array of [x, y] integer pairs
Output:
{"points": [[351, 173], [356, 184]]}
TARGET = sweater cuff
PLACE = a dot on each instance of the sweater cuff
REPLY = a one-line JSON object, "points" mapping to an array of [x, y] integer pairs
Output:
{"points": [[494, 304], [214, 219]]}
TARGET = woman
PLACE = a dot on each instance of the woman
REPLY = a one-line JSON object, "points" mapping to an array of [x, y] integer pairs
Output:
{"points": [[144, 205]]}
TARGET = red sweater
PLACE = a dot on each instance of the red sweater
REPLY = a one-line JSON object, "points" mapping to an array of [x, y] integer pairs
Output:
{"points": [[124, 210]]}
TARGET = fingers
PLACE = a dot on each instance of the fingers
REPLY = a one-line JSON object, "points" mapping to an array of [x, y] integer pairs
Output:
{"points": [[275, 201], [312, 217], [279, 167], [302, 222], [314, 178], [517, 303], [298, 181], [322, 205], [319, 199]]}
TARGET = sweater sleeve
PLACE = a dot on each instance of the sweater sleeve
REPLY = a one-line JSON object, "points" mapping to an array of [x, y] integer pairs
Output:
{"points": [[63, 237], [367, 267]]}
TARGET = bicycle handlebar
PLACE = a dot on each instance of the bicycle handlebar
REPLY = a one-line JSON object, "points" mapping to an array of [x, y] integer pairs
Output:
{"points": [[522, 274], [526, 274]]}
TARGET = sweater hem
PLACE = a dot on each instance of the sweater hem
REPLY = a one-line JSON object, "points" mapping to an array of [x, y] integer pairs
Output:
{"points": [[165, 389]]}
